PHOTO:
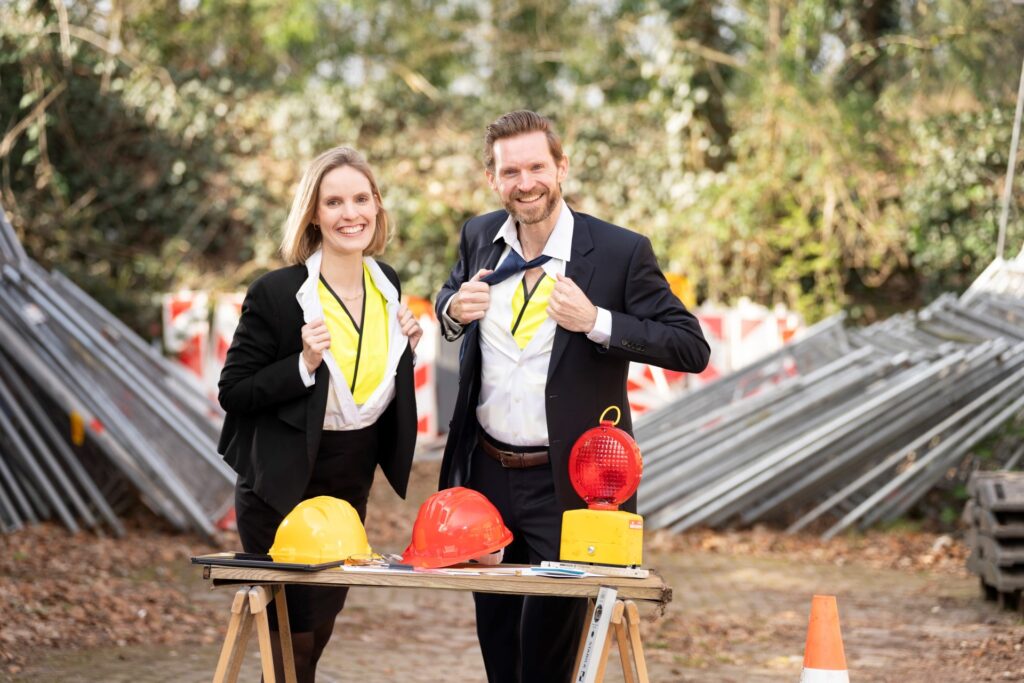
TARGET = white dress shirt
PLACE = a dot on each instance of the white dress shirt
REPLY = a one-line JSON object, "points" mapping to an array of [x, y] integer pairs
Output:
{"points": [[342, 412], [512, 380]]}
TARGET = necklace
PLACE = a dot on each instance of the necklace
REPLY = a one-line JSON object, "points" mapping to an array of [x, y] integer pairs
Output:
{"points": [[337, 292], [350, 297]]}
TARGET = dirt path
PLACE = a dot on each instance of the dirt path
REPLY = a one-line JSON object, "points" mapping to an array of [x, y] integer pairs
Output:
{"points": [[908, 611]]}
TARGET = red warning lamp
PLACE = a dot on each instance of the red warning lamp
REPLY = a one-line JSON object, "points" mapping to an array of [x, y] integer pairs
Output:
{"points": [[605, 469], [605, 465]]}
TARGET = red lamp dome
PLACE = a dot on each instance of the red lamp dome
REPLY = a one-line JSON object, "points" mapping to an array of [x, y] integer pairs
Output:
{"points": [[605, 465]]}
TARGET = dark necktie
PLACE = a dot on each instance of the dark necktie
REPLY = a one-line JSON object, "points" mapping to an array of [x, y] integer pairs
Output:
{"points": [[513, 264]]}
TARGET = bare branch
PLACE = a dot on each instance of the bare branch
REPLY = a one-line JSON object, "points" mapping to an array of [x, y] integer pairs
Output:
{"points": [[65, 37], [710, 54], [12, 135], [927, 43], [416, 81], [96, 40]]}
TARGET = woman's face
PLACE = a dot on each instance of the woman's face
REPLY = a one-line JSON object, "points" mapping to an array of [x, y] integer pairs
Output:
{"points": [[346, 211]]}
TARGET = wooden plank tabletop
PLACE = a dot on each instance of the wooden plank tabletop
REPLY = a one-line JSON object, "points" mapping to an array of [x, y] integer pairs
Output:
{"points": [[650, 589]]}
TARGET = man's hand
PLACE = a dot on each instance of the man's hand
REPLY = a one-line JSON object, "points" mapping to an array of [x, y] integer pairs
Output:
{"points": [[410, 328], [471, 301], [570, 307], [315, 340]]}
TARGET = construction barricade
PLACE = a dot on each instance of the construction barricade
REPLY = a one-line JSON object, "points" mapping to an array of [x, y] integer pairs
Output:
{"points": [[187, 329], [738, 336], [202, 348], [742, 334]]}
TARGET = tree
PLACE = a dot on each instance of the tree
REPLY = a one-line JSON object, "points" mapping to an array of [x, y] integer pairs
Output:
{"points": [[820, 153]]}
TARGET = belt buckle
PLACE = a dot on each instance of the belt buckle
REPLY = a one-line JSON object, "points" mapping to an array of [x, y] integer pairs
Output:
{"points": [[512, 460]]}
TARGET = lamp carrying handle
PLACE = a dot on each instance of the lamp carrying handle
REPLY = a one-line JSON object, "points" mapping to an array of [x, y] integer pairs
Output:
{"points": [[618, 415]]}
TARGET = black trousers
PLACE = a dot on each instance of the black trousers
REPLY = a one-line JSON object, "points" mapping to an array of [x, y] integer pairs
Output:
{"points": [[526, 639], [343, 469]]}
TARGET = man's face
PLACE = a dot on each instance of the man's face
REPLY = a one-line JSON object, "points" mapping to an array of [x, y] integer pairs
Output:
{"points": [[526, 177]]}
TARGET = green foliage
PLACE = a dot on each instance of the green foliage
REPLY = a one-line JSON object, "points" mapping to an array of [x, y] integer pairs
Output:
{"points": [[949, 516], [953, 209], [814, 152]]}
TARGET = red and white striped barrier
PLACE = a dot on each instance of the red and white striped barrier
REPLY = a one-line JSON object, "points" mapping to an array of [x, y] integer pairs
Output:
{"points": [[425, 374], [187, 328], [187, 335], [737, 336], [740, 335], [753, 332], [649, 386], [227, 309], [714, 322]]}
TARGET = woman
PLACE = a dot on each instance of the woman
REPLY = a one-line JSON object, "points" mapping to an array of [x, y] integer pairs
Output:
{"points": [[318, 383]]}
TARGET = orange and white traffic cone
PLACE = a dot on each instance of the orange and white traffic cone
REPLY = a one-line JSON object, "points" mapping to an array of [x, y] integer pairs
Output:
{"points": [[824, 659]]}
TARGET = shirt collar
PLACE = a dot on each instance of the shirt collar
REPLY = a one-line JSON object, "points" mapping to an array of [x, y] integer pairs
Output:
{"points": [[559, 244], [309, 299], [381, 280]]}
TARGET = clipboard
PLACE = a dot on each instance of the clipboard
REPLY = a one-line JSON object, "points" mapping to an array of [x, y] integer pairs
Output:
{"points": [[260, 561]]}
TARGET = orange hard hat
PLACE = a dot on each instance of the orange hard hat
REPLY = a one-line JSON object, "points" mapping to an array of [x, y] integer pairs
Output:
{"points": [[455, 525]]}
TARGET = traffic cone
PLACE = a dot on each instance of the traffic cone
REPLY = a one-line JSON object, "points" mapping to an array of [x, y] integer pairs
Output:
{"points": [[824, 659]]}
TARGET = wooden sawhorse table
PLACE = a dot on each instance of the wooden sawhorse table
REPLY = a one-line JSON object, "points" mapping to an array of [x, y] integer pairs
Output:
{"points": [[612, 614]]}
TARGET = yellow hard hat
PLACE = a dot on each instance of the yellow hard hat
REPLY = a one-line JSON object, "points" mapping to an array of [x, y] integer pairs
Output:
{"points": [[318, 530]]}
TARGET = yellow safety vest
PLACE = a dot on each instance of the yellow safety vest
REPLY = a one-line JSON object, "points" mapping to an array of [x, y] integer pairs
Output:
{"points": [[530, 309], [361, 352]]}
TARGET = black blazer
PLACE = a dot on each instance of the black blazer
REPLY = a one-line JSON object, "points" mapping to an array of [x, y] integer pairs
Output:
{"points": [[617, 270], [272, 429]]}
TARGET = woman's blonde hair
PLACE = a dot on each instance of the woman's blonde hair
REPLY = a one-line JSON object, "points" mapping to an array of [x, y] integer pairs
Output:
{"points": [[301, 237]]}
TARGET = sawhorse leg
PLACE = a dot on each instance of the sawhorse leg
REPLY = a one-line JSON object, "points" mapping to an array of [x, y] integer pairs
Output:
{"points": [[249, 608], [239, 629], [633, 625], [609, 618], [285, 634], [630, 645]]}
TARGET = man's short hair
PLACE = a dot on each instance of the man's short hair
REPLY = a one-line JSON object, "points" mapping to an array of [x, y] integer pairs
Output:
{"points": [[518, 123]]}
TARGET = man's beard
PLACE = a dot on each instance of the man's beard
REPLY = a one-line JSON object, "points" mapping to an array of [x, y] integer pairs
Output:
{"points": [[535, 213]]}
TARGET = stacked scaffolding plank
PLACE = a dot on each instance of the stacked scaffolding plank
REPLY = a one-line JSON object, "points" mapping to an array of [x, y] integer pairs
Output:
{"points": [[91, 418], [844, 427], [994, 515]]}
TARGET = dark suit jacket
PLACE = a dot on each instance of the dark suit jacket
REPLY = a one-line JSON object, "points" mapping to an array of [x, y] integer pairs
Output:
{"points": [[617, 270], [272, 429]]}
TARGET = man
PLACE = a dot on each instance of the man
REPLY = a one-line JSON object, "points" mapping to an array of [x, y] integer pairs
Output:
{"points": [[553, 305]]}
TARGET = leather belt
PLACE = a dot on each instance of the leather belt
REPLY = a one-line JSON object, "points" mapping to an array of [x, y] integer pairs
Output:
{"points": [[512, 459]]}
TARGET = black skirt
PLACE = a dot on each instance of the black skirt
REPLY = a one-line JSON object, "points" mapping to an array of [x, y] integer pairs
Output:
{"points": [[343, 469]]}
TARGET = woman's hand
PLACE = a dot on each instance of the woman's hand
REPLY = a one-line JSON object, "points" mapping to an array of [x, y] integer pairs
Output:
{"points": [[315, 340], [410, 328]]}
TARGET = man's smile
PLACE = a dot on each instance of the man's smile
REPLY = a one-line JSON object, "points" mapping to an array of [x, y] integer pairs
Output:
{"points": [[529, 199]]}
